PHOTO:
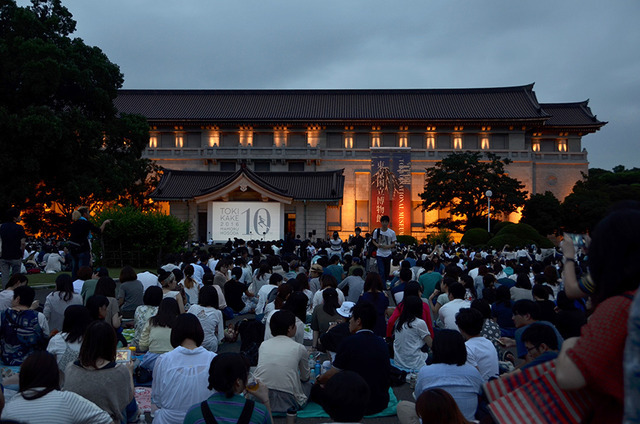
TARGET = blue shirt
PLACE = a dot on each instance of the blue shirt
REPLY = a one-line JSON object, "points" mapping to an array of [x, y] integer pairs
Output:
{"points": [[463, 383]]}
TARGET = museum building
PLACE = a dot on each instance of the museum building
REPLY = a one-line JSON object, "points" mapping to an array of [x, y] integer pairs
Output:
{"points": [[256, 164]]}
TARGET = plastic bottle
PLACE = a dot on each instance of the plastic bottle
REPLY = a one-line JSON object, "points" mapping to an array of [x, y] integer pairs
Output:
{"points": [[317, 369], [312, 364]]}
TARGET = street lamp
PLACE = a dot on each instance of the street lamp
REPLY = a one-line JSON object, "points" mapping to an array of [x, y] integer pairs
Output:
{"points": [[489, 193]]}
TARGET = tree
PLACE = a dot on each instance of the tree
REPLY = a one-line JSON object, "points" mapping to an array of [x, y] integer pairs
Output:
{"points": [[459, 182], [542, 212], [593, 196], [64, 143]]}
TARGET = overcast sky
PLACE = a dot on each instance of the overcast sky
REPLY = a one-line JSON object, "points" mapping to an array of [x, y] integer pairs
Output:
{"points": [[572, 49]]}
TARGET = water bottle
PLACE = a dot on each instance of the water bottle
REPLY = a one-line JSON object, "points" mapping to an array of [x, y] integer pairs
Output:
{"points": [[317, 369], [312, 364]]}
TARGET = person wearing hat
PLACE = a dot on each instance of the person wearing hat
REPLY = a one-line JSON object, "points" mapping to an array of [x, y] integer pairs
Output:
{"points": [[331, 340], [314, 277]]}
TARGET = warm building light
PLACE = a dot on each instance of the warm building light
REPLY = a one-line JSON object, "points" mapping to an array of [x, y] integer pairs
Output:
{"points": [[484, 143], [348, 141], [562, 145], [214, 139], [431, 142], [457, 142], [403, 140], [313, 136], [153, 142], [536, 146], [180, 141], [375, 140], [246, 136]]}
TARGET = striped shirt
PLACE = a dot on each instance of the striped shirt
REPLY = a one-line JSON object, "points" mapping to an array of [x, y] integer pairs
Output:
{"points": [[227, 410], [55, 407]]}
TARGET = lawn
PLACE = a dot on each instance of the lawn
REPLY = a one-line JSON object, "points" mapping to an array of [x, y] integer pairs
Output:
{"points": [[43, 279]]}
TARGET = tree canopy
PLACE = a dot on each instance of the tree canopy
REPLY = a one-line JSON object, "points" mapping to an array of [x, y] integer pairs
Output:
{"points": [[542, 212], [459, 183], [63, 140]]}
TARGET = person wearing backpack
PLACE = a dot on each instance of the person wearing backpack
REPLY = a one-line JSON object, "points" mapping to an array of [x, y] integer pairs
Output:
{"points": [[384, 239]]}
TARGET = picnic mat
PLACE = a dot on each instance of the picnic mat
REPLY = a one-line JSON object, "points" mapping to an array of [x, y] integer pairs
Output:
{"points": [[143, 397], [313, 410]]}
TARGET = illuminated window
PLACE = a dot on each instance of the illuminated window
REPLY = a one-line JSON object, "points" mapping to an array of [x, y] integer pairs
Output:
{"points": [[153, 142], [214, 139], [431, 142], [179, 140], [280, 136], [348, 141], [313, 136], [457, 142], [484, 143], [402, 140], [375, 140], [536, 145], [246, 137], [562, 145]]}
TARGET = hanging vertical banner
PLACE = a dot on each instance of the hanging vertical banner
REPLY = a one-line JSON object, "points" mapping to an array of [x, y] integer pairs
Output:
{"points": [[381, 182], [401, 198], [391, 188]]}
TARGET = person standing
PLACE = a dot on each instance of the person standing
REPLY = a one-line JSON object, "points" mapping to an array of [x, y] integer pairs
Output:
{"points": [[14, 241], [384, 239], [80, 233], [357, 242]]}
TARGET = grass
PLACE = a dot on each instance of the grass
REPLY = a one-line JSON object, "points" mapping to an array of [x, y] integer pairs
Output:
{"points": [[42, 279]]}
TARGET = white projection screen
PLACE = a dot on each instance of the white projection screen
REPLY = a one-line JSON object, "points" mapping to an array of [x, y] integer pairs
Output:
{"points": [[245, 220]]}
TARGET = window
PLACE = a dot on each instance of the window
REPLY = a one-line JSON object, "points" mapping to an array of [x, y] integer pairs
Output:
{"points": [[562, 145], [484, 142], [334, 218], [417, 215], [362, 214], [457, 142], [296, 166], [262, 166], [348, 141], [375, 140], [179, 140], [431, 142], [227, 166], [153, 142], [313, 136], [214, 139], [536, 145], [403, 140], [246, 137], [280, 136]]}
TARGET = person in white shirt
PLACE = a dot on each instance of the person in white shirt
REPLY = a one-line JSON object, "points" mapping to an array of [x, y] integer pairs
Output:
{"points": [[180, 377], [447, 313], [411, 333], [148, 279], [283, 365], [210, 318], [480, 351], [384, 239]]}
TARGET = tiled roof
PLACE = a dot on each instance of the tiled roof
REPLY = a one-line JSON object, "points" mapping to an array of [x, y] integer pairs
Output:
{"points": [[313, 186], [571, 114], [502, 103]]}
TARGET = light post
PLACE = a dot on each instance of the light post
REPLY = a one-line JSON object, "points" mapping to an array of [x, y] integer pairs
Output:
{"points": [[489, 193]]}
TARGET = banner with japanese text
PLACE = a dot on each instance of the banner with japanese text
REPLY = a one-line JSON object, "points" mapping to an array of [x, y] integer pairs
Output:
{"points": [[391, 188]]}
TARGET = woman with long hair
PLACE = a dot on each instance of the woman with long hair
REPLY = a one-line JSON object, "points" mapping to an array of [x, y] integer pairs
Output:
{"points": [[97, 377], [40, 401], [155, 339], [260, 277], [373, 292], [180, 376], [107, 287], [324, 315], [57, 301], [412, 288], [410, 335], [210, 318], [190, 285], [296, 303], [152, 298], [65, 345]]}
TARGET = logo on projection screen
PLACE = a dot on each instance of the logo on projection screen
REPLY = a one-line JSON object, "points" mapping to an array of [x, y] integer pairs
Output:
{"points": [[245, 220]]}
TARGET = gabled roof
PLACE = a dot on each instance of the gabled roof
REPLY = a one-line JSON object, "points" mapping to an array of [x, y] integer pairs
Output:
{"points": [[501, 103], [571, 115], [312, 186]]}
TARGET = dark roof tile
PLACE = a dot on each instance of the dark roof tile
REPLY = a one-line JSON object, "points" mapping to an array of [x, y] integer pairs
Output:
{"points": [[570, 114]]}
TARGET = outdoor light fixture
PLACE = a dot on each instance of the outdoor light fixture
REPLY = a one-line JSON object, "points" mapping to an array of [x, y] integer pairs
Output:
{"points": [[489, 193]]}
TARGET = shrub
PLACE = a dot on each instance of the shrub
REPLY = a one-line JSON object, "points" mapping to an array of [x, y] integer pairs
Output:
{"points": [[139, 238], [519, 235], [475, 237], [407, 240], [443, 236]]}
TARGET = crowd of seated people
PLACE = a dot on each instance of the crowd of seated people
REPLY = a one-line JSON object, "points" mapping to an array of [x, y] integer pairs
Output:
{"points": [[454, 318]]}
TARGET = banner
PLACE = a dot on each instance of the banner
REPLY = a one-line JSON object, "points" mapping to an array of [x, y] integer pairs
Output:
{"points": [[245, 220], [391, 188]]}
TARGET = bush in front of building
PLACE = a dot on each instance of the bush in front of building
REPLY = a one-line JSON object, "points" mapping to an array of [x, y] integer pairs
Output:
{"points": [[476, 237], [519, 235], [443, 236], [139, 238], [407, 240]]}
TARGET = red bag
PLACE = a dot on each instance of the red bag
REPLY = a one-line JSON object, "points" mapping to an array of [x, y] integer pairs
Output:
{"points": [[533, 396]]}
